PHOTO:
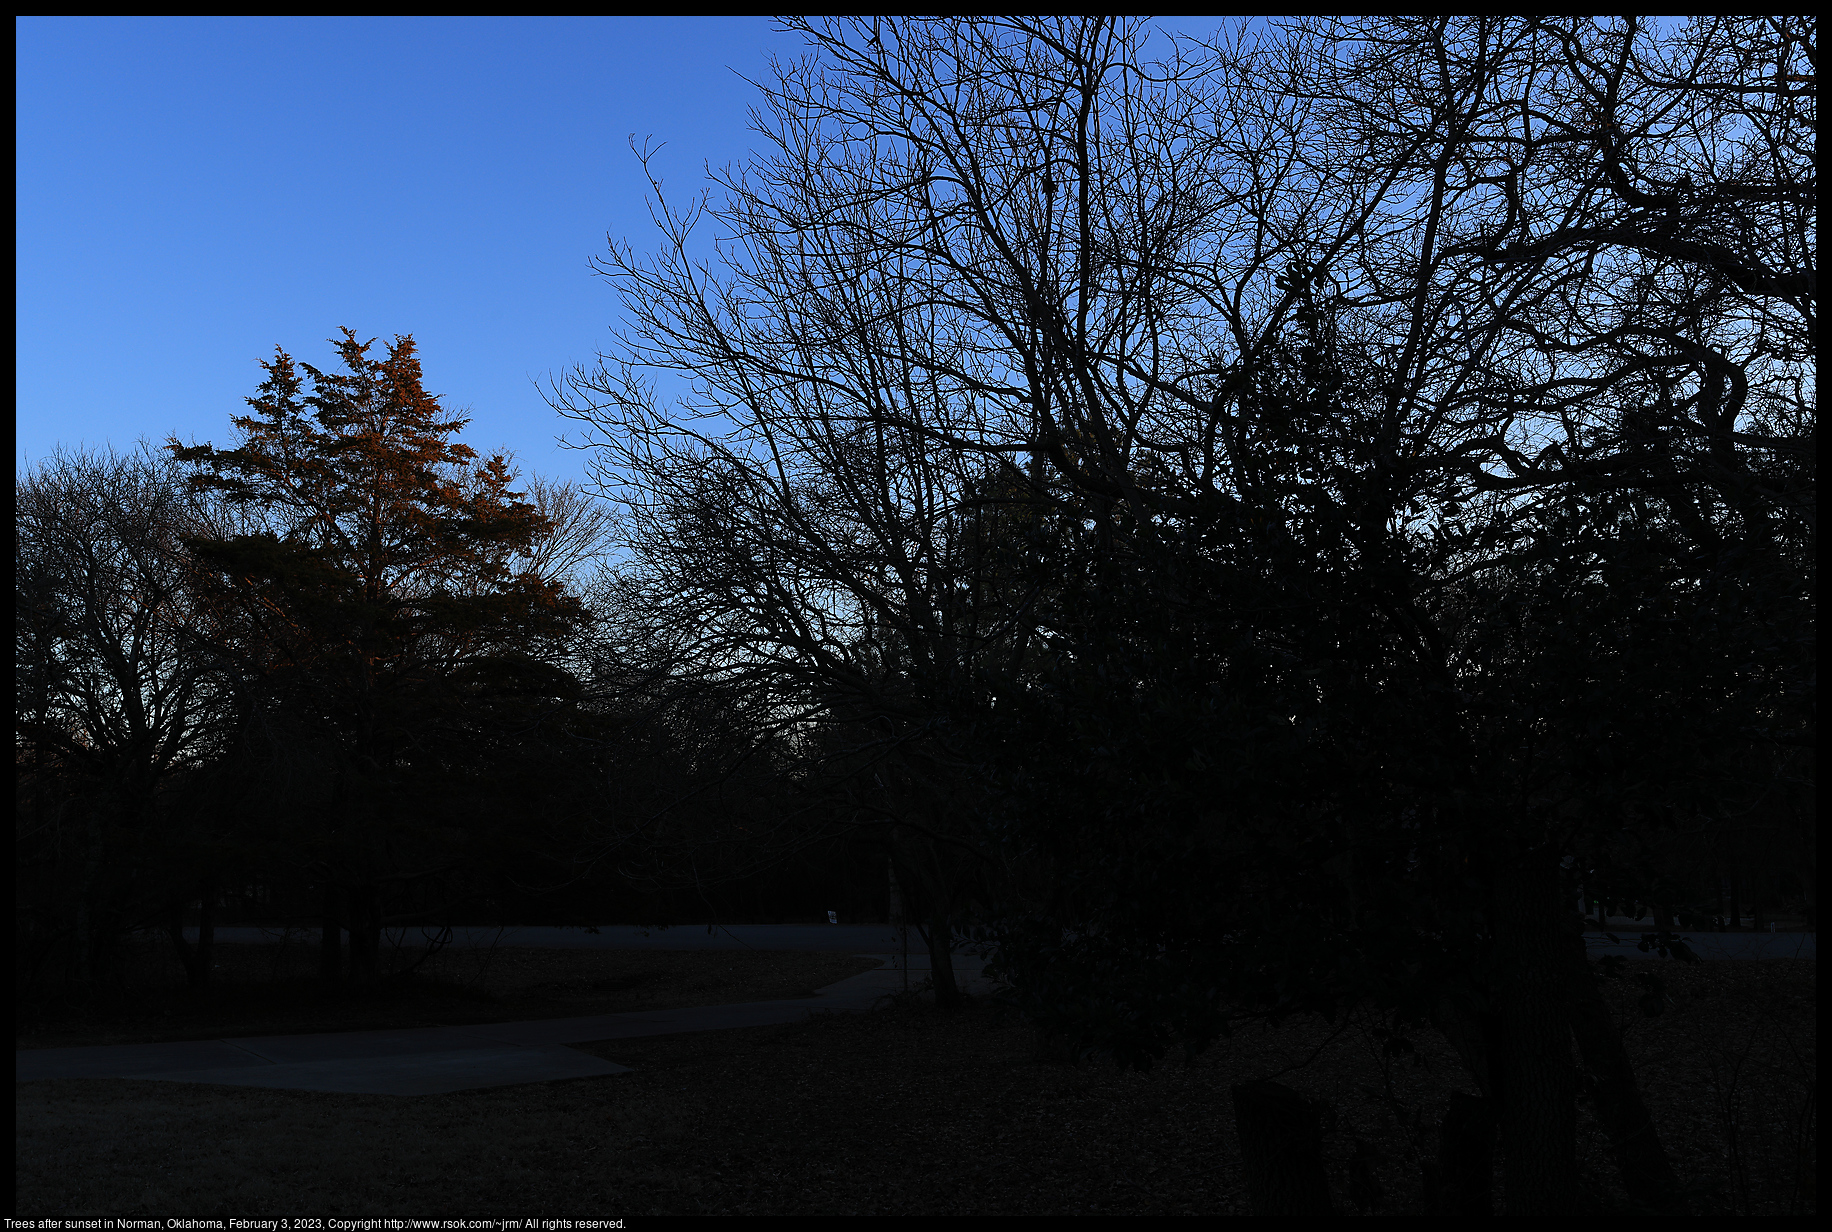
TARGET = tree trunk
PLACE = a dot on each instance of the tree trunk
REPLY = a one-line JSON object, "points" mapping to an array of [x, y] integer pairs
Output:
{"points": [[330, 945], [206, 933], [1281, 1142], [1472, 1034], [1462, 1182], [187, 954], [1646, 1173], [932, 904], [197, 959], [941, 955], [87, 934], [1537, 1087], [365, 933]]}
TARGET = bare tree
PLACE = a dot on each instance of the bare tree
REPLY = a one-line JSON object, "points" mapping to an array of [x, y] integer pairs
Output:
{"points": [[1593, 274], [1304, 341], [962, 249], [116, 697]]}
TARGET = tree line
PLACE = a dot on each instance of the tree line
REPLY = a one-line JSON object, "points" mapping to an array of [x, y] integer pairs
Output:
{"points": [[1253, 529], [347, 673]]}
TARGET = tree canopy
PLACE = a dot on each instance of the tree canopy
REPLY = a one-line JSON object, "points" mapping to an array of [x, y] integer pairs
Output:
{"points": [[1294, 506], [388, 611]]}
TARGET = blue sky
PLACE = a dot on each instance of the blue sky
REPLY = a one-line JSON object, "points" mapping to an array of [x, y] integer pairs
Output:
{"points": [[192, 192]]}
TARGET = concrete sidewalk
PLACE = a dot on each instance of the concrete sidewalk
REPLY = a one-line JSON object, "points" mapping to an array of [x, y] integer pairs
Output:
{"points": [[1711, 946], [833, 938], [435, 1060]]}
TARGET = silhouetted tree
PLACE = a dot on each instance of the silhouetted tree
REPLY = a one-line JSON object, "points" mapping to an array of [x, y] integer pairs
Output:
{"points": [[1412, 418], [390, 609], [116, 700]]}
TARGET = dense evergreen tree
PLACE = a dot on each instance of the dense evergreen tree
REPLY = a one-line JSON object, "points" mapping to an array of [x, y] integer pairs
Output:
{"points": [[384, 615]]}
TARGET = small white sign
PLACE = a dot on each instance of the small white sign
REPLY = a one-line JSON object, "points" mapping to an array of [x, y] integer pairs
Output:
{"points": [[833, 917]]}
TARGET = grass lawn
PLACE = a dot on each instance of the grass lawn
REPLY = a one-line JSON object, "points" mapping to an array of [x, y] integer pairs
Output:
{"points": [[902, 1111]]}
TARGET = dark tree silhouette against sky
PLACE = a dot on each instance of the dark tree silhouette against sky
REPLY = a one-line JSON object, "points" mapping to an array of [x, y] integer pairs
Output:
{"points": [[380, 598]]}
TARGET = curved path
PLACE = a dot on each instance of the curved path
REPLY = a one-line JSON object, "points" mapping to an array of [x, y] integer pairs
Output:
{"points": [[883, 939], [1626, 943], [841, 938], [433, 1060]]}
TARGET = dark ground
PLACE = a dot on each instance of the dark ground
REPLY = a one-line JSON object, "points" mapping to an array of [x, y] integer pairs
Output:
{"points": [[904, 1111]]}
